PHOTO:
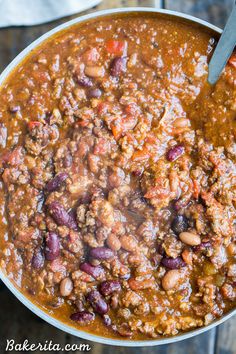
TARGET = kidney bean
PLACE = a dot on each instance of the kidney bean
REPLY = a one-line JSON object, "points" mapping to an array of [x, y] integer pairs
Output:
{"points": [[66, 287], [97, 302], [202, 247], [101, 253], [82, 316], [14, 108], [189, 238], [38, 259], [124, 330], [94, 93], [56, 182], [107, 320], [170, 279], [67, 161], [85, 81], [113, 242], [118, 66], [173, 263], [160, 249], [179, 224], [95, 271], [108, 287], [61, 216], [175, 152], [52, 249]]}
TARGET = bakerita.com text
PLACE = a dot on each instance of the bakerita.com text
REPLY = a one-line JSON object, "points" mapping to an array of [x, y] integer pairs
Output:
{"points": [[47, 346]]}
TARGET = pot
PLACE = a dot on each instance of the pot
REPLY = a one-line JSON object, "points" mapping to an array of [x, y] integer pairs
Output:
{"points": [[38, 311]]}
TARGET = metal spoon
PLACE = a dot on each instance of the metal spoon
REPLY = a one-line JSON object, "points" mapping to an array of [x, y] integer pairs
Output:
{"points": [[223, 49]]}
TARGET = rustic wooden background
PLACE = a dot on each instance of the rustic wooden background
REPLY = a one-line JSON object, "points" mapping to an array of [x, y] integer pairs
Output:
{"points": [[17, 322]]}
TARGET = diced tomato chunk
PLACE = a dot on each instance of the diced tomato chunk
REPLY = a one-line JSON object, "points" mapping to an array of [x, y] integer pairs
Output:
{"points": [[232, 60], [116, 130], [116, 47], [102, 108], [33, 124], [141, 155]]}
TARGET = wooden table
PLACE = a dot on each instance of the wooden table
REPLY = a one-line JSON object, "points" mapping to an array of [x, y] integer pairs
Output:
{"points": [[17, 322]]}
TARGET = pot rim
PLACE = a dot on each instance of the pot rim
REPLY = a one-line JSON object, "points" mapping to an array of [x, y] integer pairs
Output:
{"points": [[13, 288]]}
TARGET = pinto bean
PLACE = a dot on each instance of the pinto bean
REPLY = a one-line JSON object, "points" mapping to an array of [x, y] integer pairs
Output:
{"points": [[171, 279], [95, 271], [181, 123], [66, 287], [113, 242], [97, 302], [118, 66], [95, 71], [56, 182], [128, 243], [109, 287], [189, 238], [175, 152], [52, 249], [61, 216], [101, 253], [82, 316], [173, 263]]}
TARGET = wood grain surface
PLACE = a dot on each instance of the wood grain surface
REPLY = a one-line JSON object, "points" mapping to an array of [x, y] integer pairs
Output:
{"points": [[16, 321]]}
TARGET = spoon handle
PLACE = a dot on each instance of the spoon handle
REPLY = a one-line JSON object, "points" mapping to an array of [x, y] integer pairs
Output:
{"points": [[223, 49]]}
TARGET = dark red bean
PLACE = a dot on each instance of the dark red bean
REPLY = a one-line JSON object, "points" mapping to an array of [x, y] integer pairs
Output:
{"points": [[67, 161], [38, 259], [101, 253], [107, 320], [160, 249], [82, 316], [175, 152], [204, 246], [97, 301], [14, 108], [118, 66], [173, 263], [94, 93], [56, 182], [109, 287], [52, 250], [61, 216], [179, 224], [84, 81], [95, 271], [124, 330]]}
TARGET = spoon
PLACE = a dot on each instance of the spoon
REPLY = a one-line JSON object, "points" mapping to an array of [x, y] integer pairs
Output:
{"points": [[223, 49]]}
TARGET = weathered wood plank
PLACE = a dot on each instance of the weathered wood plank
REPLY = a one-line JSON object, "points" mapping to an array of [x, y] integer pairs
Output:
{"points": [[226, 339], [214, 11]]}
